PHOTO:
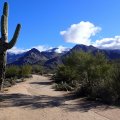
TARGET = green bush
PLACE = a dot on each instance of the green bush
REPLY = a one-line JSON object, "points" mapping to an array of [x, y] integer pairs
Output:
{"points": [[26, 70], [64, 74], [37, 69], [12, 71]]}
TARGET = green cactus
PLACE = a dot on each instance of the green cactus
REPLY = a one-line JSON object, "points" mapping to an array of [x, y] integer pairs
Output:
{"points": [[4, 44]]}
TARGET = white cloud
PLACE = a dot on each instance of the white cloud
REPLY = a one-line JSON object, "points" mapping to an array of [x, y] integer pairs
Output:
{"points": [[108, 43], [42, 48], [16, 50], [80, 33], [61, 49]]}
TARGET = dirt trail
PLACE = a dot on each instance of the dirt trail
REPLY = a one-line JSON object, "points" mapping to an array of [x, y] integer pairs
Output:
{"points": [[36, 100]]}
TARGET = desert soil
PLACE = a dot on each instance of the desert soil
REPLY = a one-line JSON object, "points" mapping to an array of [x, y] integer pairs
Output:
{"points": [[36, 100]]}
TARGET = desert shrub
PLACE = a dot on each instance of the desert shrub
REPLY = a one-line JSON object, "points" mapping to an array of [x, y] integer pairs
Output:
{"points": [[97, 74], [26, 70], [63, 86], [70, 72], [37, 69], [114, 83], [16, 74], [12, 72], [109, 90], [64, 74], [115, 76]]}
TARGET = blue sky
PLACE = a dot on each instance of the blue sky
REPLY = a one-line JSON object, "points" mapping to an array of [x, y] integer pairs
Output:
{"points": [[43, 20]]}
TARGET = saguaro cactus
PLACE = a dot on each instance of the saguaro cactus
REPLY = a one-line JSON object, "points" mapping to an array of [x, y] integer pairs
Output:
{"points": [[4, 44]]}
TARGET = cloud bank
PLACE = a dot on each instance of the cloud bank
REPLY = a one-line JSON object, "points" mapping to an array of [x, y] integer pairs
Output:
{"points": [[61, 49], [80, 33], [16, 50], [41, 48], [108, 43]]}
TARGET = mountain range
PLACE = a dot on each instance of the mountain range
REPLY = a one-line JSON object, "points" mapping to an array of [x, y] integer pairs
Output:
{"points": [[51, 58], [34, 56]]}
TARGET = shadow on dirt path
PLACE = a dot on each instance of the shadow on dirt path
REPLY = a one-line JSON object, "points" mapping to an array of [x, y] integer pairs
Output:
{"points": [[44, 101]]}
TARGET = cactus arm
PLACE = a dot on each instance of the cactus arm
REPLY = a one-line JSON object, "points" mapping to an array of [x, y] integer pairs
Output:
{"points": [[5, 9], [5, 12], [3, 25], [15, 36]]}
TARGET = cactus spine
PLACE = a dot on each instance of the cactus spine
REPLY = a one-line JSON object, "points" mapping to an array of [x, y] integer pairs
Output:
{"points": [[4, 44]]}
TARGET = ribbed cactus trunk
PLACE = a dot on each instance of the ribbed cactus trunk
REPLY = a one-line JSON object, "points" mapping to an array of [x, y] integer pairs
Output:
{"points": [[2, 68], [4, 44]]}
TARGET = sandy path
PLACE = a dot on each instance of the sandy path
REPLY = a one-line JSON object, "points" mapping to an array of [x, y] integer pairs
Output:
{"points": [[36, 100]]}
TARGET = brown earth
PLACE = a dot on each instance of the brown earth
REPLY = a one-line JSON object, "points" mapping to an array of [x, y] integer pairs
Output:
{"points": [[36, 100]]}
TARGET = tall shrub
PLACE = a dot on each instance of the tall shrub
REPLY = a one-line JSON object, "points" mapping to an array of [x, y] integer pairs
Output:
{"points": [[26, 70]]}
